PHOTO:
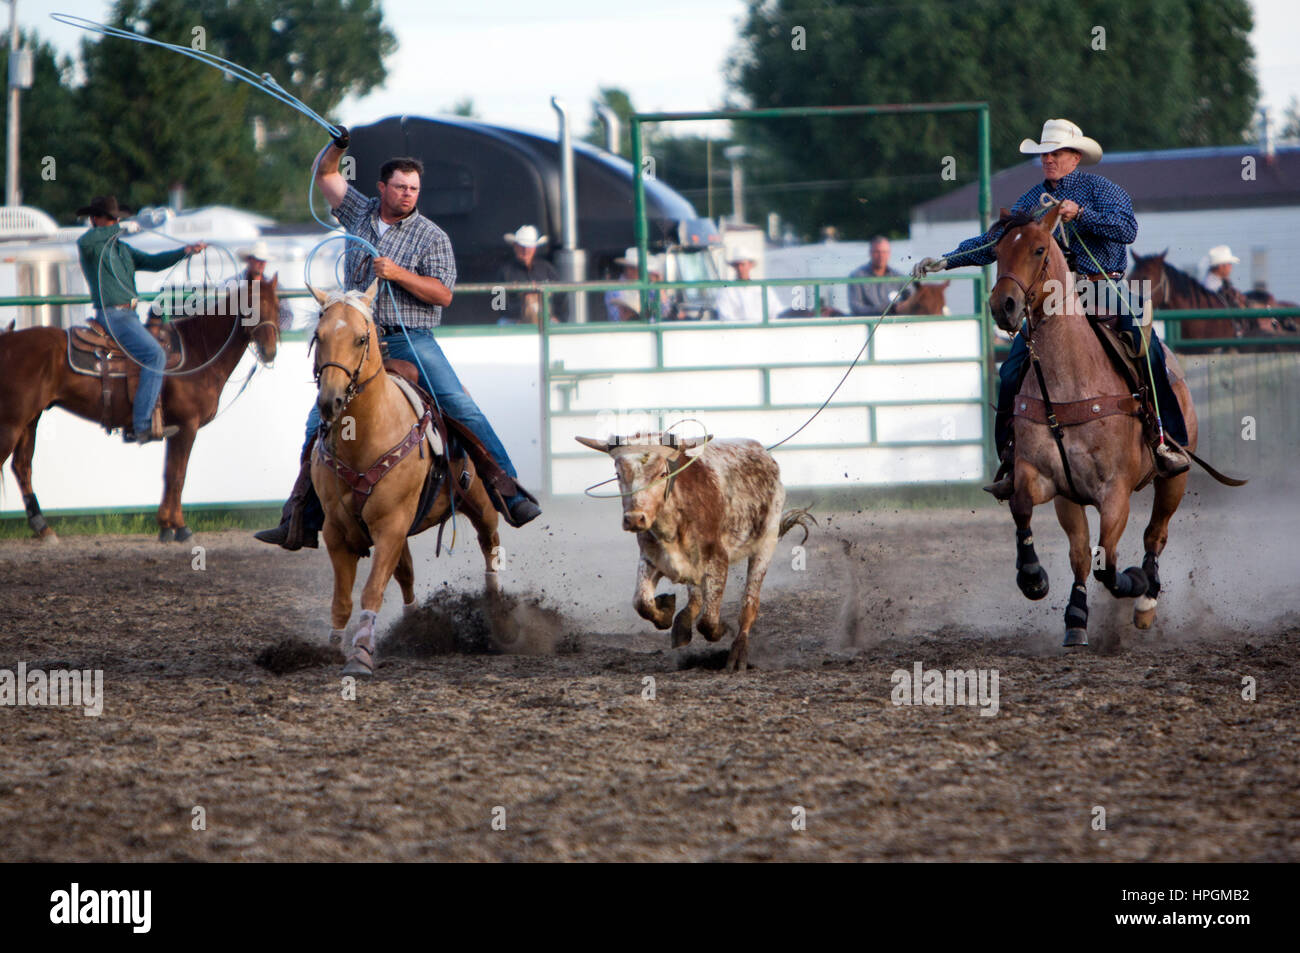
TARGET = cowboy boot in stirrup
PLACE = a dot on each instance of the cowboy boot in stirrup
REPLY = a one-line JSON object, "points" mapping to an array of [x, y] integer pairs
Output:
{"points": [[1170, 460], [291, 534], [1002, 486]]}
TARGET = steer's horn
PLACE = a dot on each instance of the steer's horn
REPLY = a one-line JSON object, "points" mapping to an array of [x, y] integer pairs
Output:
{"points": [[688, 444], [593, 443]]}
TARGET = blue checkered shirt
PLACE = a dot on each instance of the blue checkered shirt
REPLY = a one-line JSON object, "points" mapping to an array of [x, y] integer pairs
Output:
{"points": [[1105, 223], [414, 243]]}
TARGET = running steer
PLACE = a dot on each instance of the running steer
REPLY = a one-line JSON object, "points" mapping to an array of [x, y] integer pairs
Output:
{"points": [[697, 506]]}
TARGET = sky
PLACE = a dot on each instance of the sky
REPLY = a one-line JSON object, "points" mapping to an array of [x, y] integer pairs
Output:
{"points": [[511, 56]]}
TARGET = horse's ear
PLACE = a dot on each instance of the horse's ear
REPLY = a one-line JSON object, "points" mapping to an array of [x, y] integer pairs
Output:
{"points": [[593, 443], [1052, 219], [372, 292], [1004, 213], [275, 280], [1137, 259], [320, 296], [944, 286], [1162, 255]]}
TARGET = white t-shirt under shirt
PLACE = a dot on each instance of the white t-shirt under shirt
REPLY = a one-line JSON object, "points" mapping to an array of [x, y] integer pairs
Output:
{"points": [[381, 226], [744, 302]]}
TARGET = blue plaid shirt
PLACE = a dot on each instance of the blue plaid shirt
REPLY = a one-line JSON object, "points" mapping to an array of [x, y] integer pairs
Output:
{"points": [[414, 243], [1105, 223]]}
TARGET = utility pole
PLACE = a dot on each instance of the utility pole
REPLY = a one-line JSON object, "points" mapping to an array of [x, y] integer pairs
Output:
{"points": [[20, 78]]}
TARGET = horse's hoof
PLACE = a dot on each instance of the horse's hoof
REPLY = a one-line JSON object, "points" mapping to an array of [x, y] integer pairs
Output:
{"points": [[49, 536], [1144, 612], [1033, 584], [360, 662], [682, 629], [738, 659], [720, 631], [1075, 638], [665, 604], [183, 533], [336, 636], [409, 607], [166, 535]]}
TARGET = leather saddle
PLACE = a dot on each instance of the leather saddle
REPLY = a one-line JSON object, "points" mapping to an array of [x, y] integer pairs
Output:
{"points": [[93, 352]]}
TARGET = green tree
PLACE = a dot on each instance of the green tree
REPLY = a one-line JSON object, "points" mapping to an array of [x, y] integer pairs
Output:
{"points": [[1134, 76], [621, 103], [463, 107], [49, 126]]}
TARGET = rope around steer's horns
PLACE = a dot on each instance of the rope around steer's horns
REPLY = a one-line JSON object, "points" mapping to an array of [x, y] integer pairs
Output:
{"points": [[669, 476]]}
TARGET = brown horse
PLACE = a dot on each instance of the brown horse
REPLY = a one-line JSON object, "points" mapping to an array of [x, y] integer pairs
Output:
{"points": [[34, 375], [1102, 438], [370, 467], [927, 297], [1175, 290]]}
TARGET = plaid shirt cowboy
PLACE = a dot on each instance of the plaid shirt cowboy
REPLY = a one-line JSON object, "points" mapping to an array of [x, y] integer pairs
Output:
{"points": [[1105, 223], [414, 243]]}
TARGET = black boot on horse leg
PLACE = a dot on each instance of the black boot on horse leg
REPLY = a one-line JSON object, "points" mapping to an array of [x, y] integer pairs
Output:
{"points": [[1031, 577], [1076, 617], [300, 518], [1144, 611], [1130, 584]]}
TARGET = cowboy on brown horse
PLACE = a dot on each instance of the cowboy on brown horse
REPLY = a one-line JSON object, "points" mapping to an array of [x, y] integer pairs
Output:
{"points": [[109, 265], [1101, 226]]}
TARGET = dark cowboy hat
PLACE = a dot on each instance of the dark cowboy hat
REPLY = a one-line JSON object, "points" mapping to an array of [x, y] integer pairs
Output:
{"points": [[104, 205]]}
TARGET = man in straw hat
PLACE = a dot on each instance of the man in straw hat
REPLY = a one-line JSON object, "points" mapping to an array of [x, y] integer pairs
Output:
{"points": [[744, 302], [626, 305], [255, 260], [525, 266], [1100, 214], [109, 265]]}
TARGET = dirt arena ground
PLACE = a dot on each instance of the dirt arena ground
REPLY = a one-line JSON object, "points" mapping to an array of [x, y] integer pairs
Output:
{"points": [[1151, 726]]}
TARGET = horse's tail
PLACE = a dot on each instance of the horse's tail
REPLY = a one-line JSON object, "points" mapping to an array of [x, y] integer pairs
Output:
{"points": [[1225, 480], [800, 517]]}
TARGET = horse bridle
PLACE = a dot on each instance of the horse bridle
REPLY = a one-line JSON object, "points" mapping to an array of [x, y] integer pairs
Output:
{"points": [[355, 384], [1031, 297]]}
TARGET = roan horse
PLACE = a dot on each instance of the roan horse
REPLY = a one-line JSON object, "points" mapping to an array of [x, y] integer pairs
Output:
{"points": [[34, 376], [1102, 438], [369, 469]]}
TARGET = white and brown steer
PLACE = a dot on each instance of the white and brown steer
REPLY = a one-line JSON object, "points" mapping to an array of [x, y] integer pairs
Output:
{"points": [[692, 522]]}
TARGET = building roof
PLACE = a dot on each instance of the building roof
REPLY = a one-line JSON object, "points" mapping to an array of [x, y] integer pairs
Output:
{"points": [[1158, 181]]}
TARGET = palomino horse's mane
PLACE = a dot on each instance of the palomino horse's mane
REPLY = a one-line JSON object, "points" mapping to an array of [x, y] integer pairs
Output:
{"points": [[356, 299]]}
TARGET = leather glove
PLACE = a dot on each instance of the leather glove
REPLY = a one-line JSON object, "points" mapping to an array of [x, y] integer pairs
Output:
{"points": [[928, 266], [343, 138]]}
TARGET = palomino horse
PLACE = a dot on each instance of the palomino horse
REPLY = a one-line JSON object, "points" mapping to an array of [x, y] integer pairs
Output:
{"points": [[1173, 290], [1102, 437], [369, 469], [34, 375]]}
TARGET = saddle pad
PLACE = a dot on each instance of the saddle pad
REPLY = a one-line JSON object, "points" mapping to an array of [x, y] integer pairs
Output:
{"points": [[417, 405]]}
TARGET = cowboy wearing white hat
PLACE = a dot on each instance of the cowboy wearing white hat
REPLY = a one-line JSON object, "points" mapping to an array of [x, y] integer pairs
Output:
{"points": [[1221, 260], [1100, 215], [626, 305], [744, 302], [526, 267]]}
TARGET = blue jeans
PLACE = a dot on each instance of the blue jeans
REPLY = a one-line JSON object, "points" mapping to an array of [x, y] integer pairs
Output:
{"points": [[1016, 365], [124, 325]]}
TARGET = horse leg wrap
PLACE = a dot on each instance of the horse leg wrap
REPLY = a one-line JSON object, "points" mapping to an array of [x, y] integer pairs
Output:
{"points": [[1026, 557], [366, 630], [1152, 570], [34, 518], [1131, 582], [1076, 613]]}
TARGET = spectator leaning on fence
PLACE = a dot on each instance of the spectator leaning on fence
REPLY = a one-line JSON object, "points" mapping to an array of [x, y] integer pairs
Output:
{"points": [[1221, 260], [872, 298], [524, 266], [744, 302], [626, 305]]}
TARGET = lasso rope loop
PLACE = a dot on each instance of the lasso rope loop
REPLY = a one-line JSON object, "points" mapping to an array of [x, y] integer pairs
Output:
{"points": [[260, 81], [670, 475]]}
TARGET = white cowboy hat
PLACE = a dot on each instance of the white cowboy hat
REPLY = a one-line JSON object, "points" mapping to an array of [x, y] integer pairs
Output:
{"points": [[1222, 255], [1063, 134], [632, 259], [258, 251], [527, 236]]}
